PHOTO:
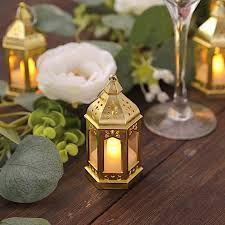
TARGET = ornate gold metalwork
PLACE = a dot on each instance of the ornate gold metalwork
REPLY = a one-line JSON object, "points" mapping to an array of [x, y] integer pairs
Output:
{"points": [[211, 36], [21, 34], [113, 115], [24, 43]]}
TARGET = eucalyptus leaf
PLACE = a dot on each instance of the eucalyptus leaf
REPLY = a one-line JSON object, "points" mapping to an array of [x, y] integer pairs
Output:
{"points": [[152, 28], [123, 60], [120, 22], [3, 88], [51, 19], [27, 100], [90, 2], [111, 47], [24, 221], [10, 134], [33, 171]]}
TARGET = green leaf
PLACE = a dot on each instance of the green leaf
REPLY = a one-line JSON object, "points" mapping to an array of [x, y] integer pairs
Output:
{"points": [[81, 137], [111, 47], [36, 117], [123, 60], [58, 118], [165, 58], [71, 137], [24, 221], [51, 19], [3, 88], [152, 28], [47, 105], [120, 22], [33, 171], [27, 100], [73, 122], [90, 2], [10, 134]]}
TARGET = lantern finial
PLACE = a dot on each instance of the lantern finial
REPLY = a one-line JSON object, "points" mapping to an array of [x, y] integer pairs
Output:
{"points": [[113, 87], [24, 14]]}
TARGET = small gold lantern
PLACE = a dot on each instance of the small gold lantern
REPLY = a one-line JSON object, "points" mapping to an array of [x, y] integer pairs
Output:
{"points": [[210, 53], [113, 139], [23, 45]]}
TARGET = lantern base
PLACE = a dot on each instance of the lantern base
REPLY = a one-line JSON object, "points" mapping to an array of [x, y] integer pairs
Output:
{"points": [[214, 93], [113, 184]]}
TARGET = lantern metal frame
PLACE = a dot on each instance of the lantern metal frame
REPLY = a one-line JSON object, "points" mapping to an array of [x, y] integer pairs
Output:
{"points": [[113, 115], [21, 37], [211, 36]]}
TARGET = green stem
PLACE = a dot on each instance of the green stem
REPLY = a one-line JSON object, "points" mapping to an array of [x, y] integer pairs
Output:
{"points": [[14, 114]]}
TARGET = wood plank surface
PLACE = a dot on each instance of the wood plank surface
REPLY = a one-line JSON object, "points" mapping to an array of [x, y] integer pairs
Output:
{"points": [[183, 182], [77, 201]]}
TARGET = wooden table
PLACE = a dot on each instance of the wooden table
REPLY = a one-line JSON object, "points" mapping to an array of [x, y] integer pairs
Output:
{"points": [[183, 182]]}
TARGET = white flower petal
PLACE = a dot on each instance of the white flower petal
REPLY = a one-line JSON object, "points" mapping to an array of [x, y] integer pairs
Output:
{"points": [[135, 6], [75, 72], [163, 74], [149, 97], [162, 97], [155, 89]]}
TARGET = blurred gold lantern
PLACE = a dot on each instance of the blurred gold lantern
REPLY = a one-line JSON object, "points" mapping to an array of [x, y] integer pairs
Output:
{"points": [[210, 53], [22, 45], [113, 139]]}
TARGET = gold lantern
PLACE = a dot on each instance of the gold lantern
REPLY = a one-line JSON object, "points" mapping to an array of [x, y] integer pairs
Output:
{"points": [[210, 53], [22, 45], [113, 139]]}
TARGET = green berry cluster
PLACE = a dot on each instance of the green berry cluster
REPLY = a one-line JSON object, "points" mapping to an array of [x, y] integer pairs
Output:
{"points": [[57, 121]]}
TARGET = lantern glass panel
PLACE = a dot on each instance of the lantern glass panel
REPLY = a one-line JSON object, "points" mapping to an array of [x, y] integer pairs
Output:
{"points": [[32, 59], [218, 67], [17, 69], [133, 149], [202, 66], [112, 155], [93, 145]]}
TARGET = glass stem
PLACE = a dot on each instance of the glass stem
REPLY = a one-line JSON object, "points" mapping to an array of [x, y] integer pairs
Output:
{"points": [[180, 109]]}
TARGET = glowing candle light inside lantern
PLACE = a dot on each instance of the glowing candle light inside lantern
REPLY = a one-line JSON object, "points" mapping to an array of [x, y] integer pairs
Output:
{"points": [[113, 156], [32, 72], [18, 74], [218, 67]]}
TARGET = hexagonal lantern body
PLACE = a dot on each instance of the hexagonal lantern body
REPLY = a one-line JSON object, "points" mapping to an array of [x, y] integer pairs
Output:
{"points": [[210, 53], [22, 45], [113, 139]]}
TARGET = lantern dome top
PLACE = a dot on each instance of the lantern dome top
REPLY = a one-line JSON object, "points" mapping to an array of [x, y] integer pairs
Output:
{"points": [[112, 108], [212, 32], [21, 35]]}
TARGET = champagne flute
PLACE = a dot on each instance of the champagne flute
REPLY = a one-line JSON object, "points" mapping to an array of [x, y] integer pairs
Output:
{"points": [[180, 119]]}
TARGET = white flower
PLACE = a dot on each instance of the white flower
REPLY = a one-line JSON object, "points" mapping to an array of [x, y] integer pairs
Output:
{"points": [[155, 89], [149, 97], [162, 97], [163, 74], [135, 6], [75, 72]]}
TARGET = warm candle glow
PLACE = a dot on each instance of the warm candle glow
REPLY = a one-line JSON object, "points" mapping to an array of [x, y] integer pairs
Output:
{"points": [[18, 74], [114, 148], [218, 64], [218, 67], [32, 72], [113, 156]]}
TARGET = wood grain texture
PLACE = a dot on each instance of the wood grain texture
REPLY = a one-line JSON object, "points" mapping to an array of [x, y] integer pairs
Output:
{"points": [[183, 183], [76, 201]]}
